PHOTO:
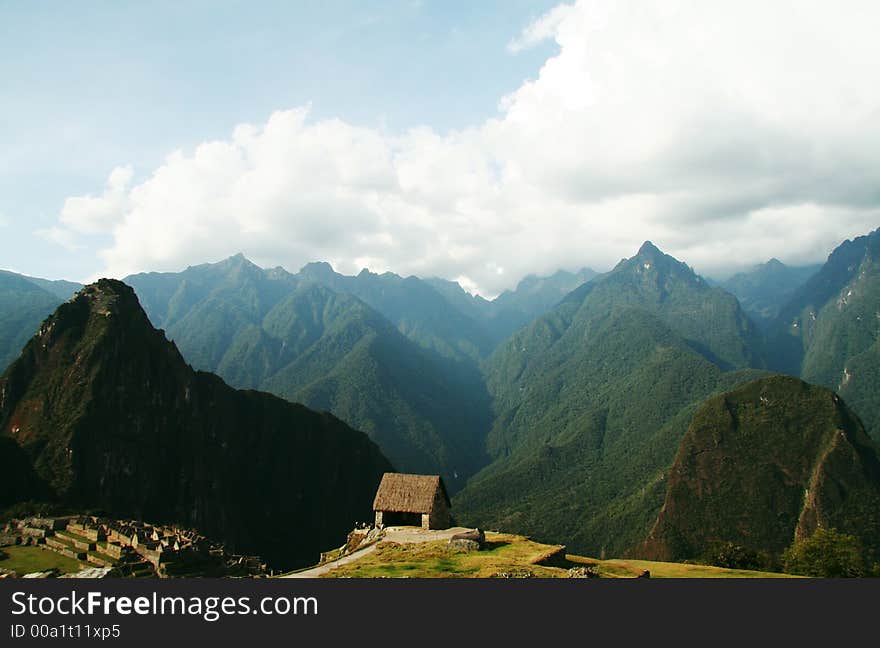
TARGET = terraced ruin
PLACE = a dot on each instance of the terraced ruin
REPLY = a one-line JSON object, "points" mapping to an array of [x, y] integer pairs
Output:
{"points": [[122, 548]]}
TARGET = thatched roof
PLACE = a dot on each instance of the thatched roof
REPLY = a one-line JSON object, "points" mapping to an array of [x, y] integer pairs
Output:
{"points": [[402, 493]]}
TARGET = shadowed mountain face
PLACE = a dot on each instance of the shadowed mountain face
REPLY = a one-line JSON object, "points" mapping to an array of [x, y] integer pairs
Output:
{"points": [[109, 416], [302, 341], [767, 463], [766, 288], [829, 333], [592, 399]]}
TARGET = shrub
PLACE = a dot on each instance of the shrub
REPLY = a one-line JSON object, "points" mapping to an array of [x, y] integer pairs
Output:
{"points": [[825, 554], [733, 556]]}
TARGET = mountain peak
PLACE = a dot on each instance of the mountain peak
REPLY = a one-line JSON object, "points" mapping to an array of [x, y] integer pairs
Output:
{"points": [[105, 295], [235, 264], [649, 249], [650, 257], [657, 269], [317, 270], [96, 309], [106, 286], [318, 265], [235, 259]]}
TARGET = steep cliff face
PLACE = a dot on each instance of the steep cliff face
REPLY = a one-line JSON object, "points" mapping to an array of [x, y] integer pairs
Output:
{"points": [[829, 332], [110, 416], [765, 464]]}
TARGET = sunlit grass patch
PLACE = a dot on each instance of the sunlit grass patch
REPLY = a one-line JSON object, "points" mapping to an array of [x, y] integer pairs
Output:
{"points": [[27, 560], [509, 555]]}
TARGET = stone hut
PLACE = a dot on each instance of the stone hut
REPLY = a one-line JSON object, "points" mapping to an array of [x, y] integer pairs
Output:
{"points": [[412, 500]]}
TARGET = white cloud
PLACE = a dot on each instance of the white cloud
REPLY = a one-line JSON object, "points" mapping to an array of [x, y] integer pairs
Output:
{"points": [[544, 28], [94, 215], [727, 133], [60, 236]]}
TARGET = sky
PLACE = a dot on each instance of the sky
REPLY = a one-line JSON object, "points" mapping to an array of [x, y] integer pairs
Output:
{"points": [[475, 141]]}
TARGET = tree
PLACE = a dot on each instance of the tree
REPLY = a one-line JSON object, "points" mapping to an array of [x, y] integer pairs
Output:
{"points": [[733, 556], [827, 553]]}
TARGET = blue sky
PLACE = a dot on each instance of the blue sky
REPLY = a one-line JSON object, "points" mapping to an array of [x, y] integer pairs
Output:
{"points": [[89, 85], [477, 141]]}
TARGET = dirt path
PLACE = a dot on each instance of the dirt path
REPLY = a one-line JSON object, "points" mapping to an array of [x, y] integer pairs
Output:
{"points": [[315, 572], [402, 535]]}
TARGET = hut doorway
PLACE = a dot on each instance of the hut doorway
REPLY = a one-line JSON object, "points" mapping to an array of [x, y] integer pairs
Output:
{"points": [[395, 518]]}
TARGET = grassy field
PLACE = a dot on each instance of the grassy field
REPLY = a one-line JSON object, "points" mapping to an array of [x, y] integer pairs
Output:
{"points": [[508, 555], [504, 554], [631, 568], [26, 560]]}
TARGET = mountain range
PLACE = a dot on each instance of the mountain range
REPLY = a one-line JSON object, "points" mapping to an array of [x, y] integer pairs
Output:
{"points": [[592, 399], [295, 337], [24, 303], [829, 331], [566, 409], [765, 289]]}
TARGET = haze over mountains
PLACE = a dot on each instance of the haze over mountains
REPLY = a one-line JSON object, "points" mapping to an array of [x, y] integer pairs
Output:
{"points": [[560, 409], [765, 289], [23, 305]]}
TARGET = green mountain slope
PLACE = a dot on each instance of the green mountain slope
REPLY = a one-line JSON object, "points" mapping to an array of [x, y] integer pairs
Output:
{"points": [[473, 306], [414, 306], [766, 288], [214, 313], [532, 297], [511, 310], [111, 417], [23, 305], [592, 399], [829, 333], [58, 287], [767, 463], [428, 413], [298, 339], [708, 320]]}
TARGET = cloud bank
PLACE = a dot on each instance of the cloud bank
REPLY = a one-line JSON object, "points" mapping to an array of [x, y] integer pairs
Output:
{"points": [[727, 133]]}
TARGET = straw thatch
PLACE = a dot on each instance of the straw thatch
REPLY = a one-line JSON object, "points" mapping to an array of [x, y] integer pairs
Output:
{"points": [[402, 493]]}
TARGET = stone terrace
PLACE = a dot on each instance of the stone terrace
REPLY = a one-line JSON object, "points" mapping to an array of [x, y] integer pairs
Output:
{"points": [[130, 547]]}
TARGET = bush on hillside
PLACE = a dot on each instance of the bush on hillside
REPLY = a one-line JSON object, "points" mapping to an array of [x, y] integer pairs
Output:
{"points": [[734, 556], [826, 554]]}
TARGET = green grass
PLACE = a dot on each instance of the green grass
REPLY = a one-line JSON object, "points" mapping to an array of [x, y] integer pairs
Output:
{"points": [[509, 553], [630, 568], [70, 536], [436, 560], [26, 560]]}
